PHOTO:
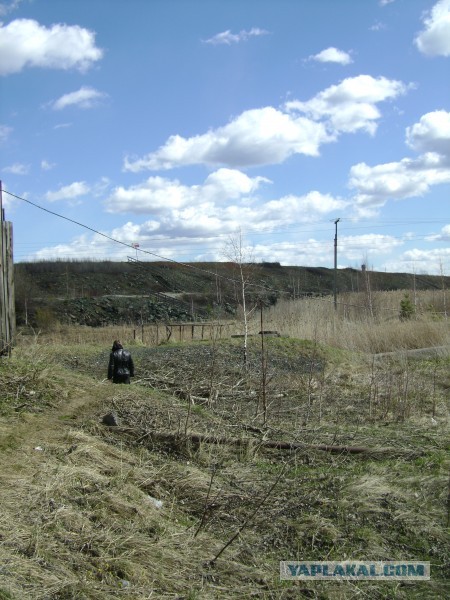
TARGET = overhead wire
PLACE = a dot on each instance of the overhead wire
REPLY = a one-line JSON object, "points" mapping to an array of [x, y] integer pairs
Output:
{"points": [[171, 260], [131, 246]]}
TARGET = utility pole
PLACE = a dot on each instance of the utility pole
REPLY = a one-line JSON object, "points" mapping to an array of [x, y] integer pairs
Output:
{"points": [[335, 265]]}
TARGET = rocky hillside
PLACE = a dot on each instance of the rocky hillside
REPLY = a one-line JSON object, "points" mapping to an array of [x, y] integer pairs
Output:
{"points": [[102, 293]]}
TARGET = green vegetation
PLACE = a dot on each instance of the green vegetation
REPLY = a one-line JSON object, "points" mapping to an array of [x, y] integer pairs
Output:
{"points": [[329, 442], [144, 509], [407, 309]]}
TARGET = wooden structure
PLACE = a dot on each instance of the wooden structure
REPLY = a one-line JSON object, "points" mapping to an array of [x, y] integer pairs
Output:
{"points": [[7, 308], [153, 334]]}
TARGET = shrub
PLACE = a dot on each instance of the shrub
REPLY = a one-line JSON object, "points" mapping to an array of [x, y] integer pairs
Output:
{"points": [[407, 309]]}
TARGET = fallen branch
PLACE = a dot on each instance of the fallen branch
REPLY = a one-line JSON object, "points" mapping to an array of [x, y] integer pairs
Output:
{"points": [[212, 562], [198, 438]]}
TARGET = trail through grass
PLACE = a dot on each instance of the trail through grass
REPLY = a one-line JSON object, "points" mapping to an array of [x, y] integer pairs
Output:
{"points": [[93, 512]]}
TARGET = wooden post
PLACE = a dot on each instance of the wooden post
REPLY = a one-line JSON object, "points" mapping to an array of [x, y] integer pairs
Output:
{"points": [[7, 306]]}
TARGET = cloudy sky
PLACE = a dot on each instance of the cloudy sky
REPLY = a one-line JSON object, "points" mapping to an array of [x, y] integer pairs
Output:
{"points": [[175, 124]]}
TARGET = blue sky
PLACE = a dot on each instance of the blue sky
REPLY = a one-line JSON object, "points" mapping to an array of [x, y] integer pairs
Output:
{"points": [[177, 124]]}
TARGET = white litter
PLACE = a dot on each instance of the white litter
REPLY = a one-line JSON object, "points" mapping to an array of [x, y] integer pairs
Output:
{"points": [[155, 502]]}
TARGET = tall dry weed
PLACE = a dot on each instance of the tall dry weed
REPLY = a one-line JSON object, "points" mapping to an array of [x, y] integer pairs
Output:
{"points": [[352, 327]]}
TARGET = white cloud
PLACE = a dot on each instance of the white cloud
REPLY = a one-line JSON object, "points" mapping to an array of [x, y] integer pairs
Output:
{"points": [[436, 256], [305, 208], [68, 192], [47, 166], [351, 105], [4, 132], [25, 43], [228, 38], [431, 134], [407, 178], [434, 40], [333, 55], [443, 236], [159, 195], [386, 2], [6, 8], [270, 136], [85, 97], [354, 247], [17, 169], [377, 26], [417, 261], [217, 207], [256, 137], [313, 252]]}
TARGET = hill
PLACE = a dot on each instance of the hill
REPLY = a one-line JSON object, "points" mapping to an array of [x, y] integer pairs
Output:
{"points": [[101, 293]]}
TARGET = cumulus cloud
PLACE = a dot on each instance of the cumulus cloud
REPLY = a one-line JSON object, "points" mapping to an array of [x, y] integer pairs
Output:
{"points": [[228, 38], [443, 236], [431, 134], [434, 259], [354, 247], [158, 194], [188, 230], [333, 55], [407, 178], [226, 199], [351, 105], [313, 252], [434, 40], [256, 137], [26, 43], [85, 97], [304, 208], [432, 262], [69, 192], [270, 136], [17, 169]]}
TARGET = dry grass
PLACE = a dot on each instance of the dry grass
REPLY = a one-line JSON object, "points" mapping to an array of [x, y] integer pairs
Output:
{"points": [[79, 519], [353, 327]]}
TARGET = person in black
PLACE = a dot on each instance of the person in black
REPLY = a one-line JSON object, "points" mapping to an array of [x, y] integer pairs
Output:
{"points": [[121, 366]]}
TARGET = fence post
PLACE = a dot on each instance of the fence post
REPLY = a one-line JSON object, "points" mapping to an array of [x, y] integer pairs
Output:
{"points": [[7, 306]]}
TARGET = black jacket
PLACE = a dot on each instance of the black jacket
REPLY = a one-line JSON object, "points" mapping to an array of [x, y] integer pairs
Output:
{"points": [[120, 366]]}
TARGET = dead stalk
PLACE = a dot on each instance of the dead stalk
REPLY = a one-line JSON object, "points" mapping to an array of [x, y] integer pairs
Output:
{"points": [[250, 518]]}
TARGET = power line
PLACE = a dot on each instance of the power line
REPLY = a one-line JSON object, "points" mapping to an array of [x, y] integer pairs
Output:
{"points": [[187, 265], [110, 238]]}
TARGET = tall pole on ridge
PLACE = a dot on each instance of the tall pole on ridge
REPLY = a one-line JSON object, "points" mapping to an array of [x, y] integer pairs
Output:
{"points": [[335, 264]]}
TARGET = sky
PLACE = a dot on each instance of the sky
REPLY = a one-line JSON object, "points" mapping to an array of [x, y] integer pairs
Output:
{"points": [[169, 129]]}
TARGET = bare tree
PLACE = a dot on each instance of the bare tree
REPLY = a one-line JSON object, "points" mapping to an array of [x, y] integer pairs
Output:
{"points": [[241, 255], [444, 291]]}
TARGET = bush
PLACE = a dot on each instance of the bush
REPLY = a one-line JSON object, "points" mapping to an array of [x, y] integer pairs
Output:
{"points": [[407, 309]]}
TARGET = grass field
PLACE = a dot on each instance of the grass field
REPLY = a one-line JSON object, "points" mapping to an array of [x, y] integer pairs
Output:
{"points": [[190, 497]]}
